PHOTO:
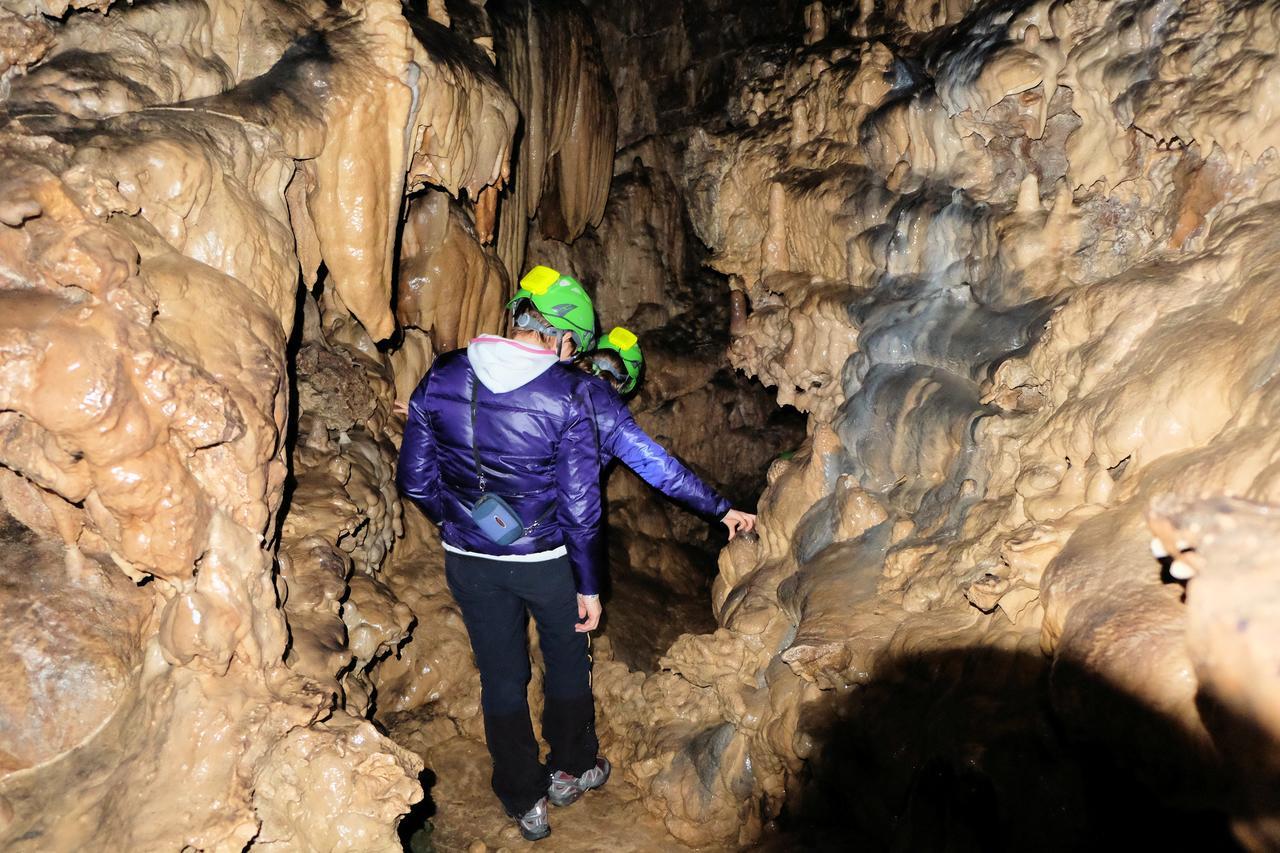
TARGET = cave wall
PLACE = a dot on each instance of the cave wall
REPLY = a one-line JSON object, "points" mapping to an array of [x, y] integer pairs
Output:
{"points": [[1012, 260], [671, 66], [201, 211]]}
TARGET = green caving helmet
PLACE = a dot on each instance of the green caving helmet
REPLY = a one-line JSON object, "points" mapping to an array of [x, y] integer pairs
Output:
{"points": [[562, 301], [624, 343]]}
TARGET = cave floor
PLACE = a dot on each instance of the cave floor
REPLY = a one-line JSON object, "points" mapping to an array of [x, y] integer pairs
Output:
{"points": [[467, 815]]}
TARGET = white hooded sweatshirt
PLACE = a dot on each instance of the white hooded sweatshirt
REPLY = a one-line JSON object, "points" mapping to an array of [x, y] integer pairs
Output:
{"points": [[504, 365]]}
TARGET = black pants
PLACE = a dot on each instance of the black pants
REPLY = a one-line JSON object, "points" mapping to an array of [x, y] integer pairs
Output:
{"points": [[495, 597]]}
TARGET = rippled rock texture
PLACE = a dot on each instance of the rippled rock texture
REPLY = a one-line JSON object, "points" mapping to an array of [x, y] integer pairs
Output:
{"points": [[1014, 262]]}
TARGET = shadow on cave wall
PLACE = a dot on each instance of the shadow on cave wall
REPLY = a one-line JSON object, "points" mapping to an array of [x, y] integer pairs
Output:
{"points": [[960, 751]]}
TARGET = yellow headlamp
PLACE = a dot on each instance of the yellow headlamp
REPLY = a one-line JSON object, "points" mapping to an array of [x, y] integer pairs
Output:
{"points": [[539, 280], [622, 338]]}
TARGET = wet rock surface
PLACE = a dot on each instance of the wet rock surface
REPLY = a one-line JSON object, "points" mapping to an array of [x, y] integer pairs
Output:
{"points": [[201, 207], [973, 243]]}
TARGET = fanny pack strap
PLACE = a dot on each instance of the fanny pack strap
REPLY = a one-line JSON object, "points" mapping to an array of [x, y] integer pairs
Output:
{"points": [[475, 453]]}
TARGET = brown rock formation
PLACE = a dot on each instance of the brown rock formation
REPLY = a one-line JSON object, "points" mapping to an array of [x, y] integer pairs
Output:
{"points": [[1009, 284], [1222, 546], [190, 628]]}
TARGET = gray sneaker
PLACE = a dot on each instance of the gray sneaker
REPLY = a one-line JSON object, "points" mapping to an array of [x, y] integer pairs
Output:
{"points": [[566, 789], [533, 823]]}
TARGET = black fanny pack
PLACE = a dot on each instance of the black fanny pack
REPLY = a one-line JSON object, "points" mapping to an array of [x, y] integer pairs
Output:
{"points": [[493, 515]]}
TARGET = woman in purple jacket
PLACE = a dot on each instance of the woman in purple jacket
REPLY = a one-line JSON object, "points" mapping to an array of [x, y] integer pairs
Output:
{"points": [[619, 361], [500, 451]]}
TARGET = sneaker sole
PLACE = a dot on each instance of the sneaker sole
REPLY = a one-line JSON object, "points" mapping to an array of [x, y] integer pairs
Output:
{"points": [[534, 836]]}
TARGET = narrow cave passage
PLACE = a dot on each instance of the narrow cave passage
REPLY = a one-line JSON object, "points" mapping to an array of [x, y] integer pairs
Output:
{"points": [[886, 219], [974, 302]]}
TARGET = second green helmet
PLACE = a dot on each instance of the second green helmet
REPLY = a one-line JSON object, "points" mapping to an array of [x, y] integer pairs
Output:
{"points": [[626, 344], [562, 301]]}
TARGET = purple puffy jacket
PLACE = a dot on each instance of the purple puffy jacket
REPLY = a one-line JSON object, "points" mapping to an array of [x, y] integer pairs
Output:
{"points": [[539, 451]]}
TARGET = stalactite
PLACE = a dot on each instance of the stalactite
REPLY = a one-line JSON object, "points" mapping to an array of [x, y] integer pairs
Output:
{"points": [[550, 60], [449, 285]]}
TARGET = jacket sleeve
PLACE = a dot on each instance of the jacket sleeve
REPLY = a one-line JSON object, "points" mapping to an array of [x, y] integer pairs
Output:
{"points": [[629, 443], [578, 497], [418, 470]]}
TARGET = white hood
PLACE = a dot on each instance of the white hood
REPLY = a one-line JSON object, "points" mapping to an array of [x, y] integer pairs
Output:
{"points": [[504, 365]]}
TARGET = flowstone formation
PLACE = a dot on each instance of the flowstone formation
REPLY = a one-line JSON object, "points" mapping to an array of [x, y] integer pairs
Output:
{"points": [[1014, 261], [201, 206]]}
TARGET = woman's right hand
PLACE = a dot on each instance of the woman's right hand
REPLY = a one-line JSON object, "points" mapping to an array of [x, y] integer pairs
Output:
{"points": [[738, 522], [589, 611]]}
